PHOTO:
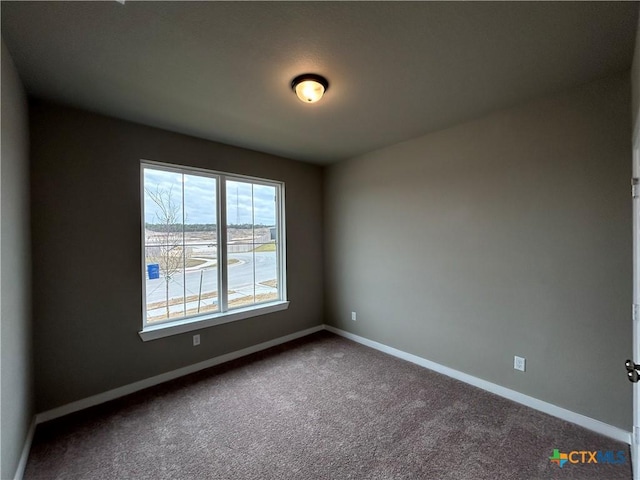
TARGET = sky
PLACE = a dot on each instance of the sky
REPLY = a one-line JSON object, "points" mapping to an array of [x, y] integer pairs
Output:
{"points": [[246, 202]]}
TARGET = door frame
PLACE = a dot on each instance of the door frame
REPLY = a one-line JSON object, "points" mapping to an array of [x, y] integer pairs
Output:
{"points": [[635, 435]]}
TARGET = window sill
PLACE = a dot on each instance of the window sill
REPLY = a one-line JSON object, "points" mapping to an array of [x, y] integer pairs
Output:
{"points": [[154, 332]]}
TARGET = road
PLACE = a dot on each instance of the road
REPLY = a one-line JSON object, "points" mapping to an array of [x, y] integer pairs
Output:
{"points": [[260, 266]]}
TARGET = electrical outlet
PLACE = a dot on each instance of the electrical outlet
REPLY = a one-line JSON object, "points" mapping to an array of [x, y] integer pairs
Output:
{"points": [[196, 340], [519, 363], [353, 316]]}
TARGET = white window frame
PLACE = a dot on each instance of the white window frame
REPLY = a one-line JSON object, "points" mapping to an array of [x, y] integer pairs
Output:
{"points": [[224, 315]]}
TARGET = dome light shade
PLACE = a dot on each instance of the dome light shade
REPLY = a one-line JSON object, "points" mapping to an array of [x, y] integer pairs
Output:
{"points": [[309, 87]]}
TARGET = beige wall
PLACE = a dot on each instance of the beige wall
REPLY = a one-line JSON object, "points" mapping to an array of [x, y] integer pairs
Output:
{"points": [[509, 235], [15, 283], [86, 234]]}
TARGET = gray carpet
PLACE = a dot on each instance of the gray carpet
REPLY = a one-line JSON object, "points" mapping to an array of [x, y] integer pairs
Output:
{"points": [[321, 407]]}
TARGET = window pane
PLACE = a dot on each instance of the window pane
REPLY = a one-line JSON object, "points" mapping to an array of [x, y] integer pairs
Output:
{"points": [[201, 279], [266, 243], [200, 209], [239, 203], [164, 287], [241, 275], [201, 244], [164, 245], [264, 214], [239, 213], [251, 243], [266, 266], [163, 210]]}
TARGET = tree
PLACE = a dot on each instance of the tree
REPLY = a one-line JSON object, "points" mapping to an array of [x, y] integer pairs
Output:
{"points": [[168, 240]]}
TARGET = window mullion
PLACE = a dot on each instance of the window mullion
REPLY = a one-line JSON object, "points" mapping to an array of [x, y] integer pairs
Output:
{"points": [[184, 255], [222, 244], [253, 239], [144, 245], [281, 244]]}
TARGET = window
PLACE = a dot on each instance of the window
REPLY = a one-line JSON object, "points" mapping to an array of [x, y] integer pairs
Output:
{"points": [[213, 248]]}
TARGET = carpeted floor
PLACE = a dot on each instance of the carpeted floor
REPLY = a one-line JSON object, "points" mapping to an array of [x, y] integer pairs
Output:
{"points": [[321, 407]]}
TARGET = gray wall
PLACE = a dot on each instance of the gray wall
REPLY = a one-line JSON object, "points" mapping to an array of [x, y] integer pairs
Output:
{"points": [[509, 235], [86, 235], [635, 79], [15, 282]]}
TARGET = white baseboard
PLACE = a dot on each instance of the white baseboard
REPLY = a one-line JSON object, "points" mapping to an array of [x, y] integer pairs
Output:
{"points": [[22, 464], [150, 382], [545, 407]]}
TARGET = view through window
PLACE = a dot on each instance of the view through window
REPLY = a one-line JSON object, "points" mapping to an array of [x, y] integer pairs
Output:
{"points": [[212, 242]]}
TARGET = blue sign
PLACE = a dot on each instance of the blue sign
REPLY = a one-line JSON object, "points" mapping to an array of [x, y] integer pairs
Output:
{"points": [[153, 269]]}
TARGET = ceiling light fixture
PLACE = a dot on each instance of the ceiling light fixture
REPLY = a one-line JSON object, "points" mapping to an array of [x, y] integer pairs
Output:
{"points": [[309, 87]]}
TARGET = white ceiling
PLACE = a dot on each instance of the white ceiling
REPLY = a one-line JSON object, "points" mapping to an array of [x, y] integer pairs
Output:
{"points": [[222, 70]]}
